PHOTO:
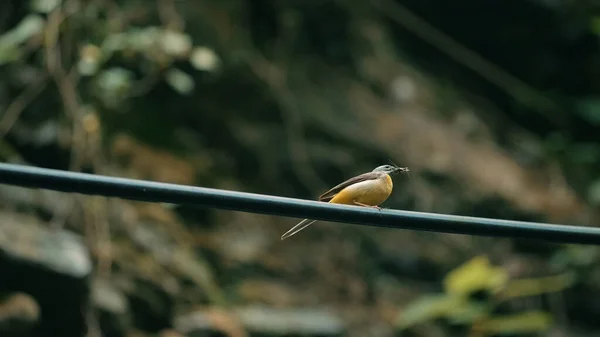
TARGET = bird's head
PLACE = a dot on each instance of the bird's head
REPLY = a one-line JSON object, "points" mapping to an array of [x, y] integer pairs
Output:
{"points": [[390, 169]]}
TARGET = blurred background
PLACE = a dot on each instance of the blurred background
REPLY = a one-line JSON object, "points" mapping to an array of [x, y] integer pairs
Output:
{"points": [[494, 106]]}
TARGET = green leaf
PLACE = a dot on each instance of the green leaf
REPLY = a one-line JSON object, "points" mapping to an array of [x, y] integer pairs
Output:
{"points": [[180, 81], [589, 109], [89, 60], [475, 275], [594, 193], [586, 153], [427, 308], [44, 6], [556, 142], [143, 39], [526, 322], [115, 79], [114, 42], [595, 25], [203, 58], [27, 28], [469, 312], [10, 41], [114, 85], [9, 54], [538, 286], [175, 43]]}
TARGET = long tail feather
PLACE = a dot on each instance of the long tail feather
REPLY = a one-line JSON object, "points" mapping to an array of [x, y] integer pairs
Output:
{"points": [[300, 226]]}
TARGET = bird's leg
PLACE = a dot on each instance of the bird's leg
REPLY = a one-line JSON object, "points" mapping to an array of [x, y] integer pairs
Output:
{"points": [[365, 205]]}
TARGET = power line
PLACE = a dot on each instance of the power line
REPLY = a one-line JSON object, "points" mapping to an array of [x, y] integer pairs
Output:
{"points": [[132, 189]]}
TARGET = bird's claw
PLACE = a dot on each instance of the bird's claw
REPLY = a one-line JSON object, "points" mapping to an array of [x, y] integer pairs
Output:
{"points": [[365, 205]]}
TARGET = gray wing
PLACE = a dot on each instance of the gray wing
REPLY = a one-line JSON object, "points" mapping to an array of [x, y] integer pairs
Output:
{"points": [[335, 190]]}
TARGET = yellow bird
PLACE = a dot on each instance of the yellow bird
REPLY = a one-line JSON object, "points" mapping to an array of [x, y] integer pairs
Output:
{"points": [[367, 190]]}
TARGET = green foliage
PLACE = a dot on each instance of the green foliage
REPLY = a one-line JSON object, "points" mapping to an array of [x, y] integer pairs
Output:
{"points": [[475, 275], [158, 47], [112, 55], [113, 84], [11, 42], [44, 6], [526, 322], [595, 25], [589, 109], [456, 309], [594, 193], [456, 306], [180, 81]]}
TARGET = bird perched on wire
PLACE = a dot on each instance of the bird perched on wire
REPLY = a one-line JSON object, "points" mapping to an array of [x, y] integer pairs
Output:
{"points": [[367, 190]]}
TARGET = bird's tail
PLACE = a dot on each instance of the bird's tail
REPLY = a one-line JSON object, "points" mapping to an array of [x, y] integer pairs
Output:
{"points": [[300, 226]]}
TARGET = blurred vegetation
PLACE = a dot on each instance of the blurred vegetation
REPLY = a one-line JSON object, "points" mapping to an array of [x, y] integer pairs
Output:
{"points": [[495, 108], [477, 277]]}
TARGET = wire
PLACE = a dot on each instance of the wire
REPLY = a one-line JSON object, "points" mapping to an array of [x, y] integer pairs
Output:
{"points": [[90, 184]]}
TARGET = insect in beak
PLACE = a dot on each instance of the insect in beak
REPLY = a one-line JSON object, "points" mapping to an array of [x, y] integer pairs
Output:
{"points": [[399, 169], [405, 169]]}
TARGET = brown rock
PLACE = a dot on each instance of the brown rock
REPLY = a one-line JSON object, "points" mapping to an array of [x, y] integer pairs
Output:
{"points": [[19, 315], [53, 267]]}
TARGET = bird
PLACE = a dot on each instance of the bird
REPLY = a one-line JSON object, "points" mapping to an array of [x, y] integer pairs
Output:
{"points": [[366, 190]]}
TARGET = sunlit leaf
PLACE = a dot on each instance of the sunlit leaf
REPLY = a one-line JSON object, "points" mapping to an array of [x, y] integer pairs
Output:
{"points": [[10, 41], [115, 79], [180, 81], [28, 27], [89, 60], [527, 322], [175, 43], [135, 39], [44, 6], [203, 58], [114, 84], [143, 39], [538, 286], [427, 308], [115, 42], [473, 276]]}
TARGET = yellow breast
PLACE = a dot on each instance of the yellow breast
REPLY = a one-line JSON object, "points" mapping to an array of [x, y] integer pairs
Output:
{"points": [[370, 192]]}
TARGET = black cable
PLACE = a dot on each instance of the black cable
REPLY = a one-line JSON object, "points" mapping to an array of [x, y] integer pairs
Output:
{"points": [[65, 181]]}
